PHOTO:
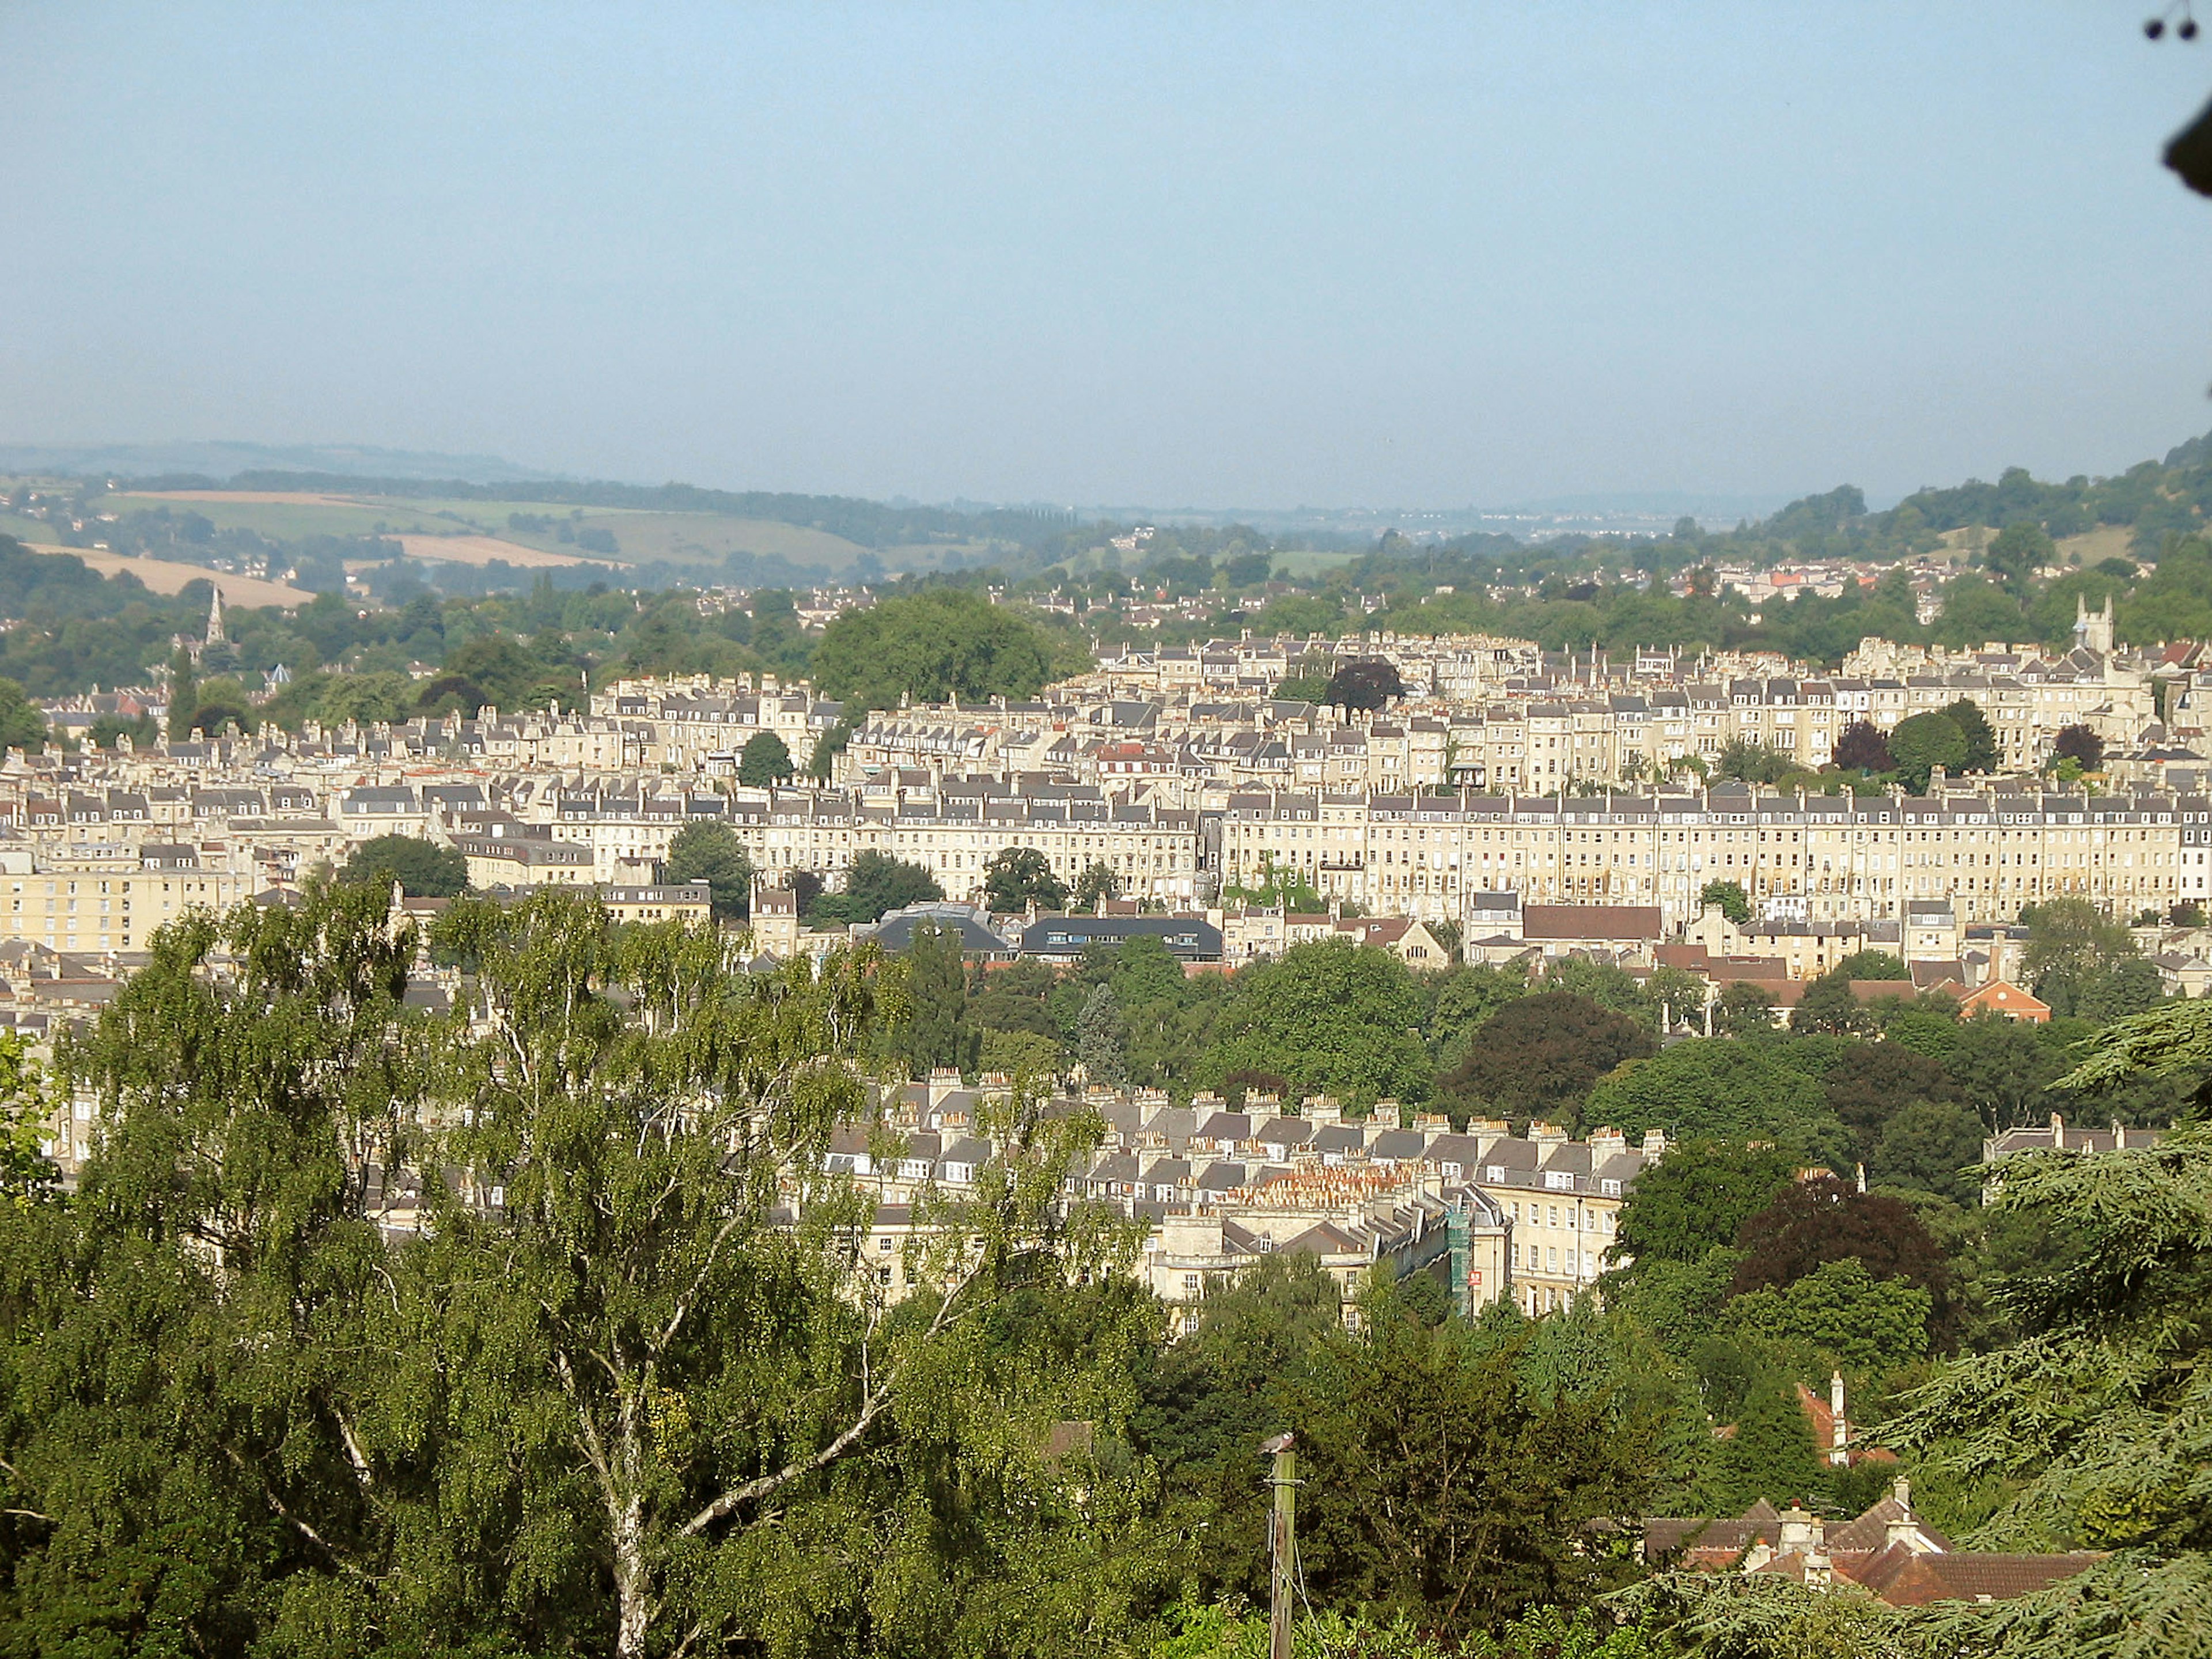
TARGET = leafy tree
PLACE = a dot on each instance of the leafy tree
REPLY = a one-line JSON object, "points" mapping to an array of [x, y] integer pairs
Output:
{"points": [[1697, 1197], [1729, 898], [827, 747], [1745, 1010], [1754, 762], [365, 699], [1443, 1486], [2016, 552], [1772, 1454], [1601, 982], [642, 1155], [1719, 1088], [1672, 995], [1933, 1145], [108, 729], [423, 868], [1976, 611], [1467, 997], [936, 1031], [2095, 1419], [22, 726], [1811, 1222], [875, 883], [2001, 1068], [1019, 1054], [1018, 877], [710, 851], [1843, 1313], [1013, 999], [27, 1105], [765, 760], [492, 668], [2072, 946], [184, 695], [1983, 754], [1368, 683], [1333, 1017], [671, 1403], [1873, 964], [1098, 882], [1868, 1083], [1538, 1057], [1922, 742], [221, 704], [1311, 686], [200, 1322], [2082, 746], [1861, 747], [2131, 986], [1099, 1037], [939, 643], [1830, 1007]]}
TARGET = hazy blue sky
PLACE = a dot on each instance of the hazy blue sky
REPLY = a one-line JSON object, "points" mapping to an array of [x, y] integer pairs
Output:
{"points": [[1193, 254]]}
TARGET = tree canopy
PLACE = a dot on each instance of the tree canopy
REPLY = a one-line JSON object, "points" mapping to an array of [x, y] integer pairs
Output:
{"points": [[937, 643], [712, 854], [1018, 877], [423, 868], [1538, 1056], [1922, 743], [765, 759], [1333, 1018], [1720, 1088], [875, 883]]}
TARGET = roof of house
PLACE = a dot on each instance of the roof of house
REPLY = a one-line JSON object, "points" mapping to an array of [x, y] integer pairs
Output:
{"points": [[1609, 921]]}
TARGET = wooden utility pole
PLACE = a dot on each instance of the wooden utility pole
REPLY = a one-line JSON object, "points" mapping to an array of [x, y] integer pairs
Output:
{"points": [[1282, 1540]]}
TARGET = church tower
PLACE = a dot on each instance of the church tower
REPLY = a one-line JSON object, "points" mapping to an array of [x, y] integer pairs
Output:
{"points": [[215, 637], [2099, 635], [2093, 633]]}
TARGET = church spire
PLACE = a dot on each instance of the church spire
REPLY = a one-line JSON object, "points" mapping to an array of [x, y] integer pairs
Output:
{"points": [[214, 634]]}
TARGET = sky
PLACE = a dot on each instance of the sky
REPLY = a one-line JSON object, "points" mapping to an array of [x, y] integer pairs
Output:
{"points": [[1200, 254]]}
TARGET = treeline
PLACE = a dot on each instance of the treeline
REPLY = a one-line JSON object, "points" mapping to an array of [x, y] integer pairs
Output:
{"points": [[515, 650]]}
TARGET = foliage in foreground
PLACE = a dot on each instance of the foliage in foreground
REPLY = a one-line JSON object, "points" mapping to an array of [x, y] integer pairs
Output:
{"points": [[634, 1390]]}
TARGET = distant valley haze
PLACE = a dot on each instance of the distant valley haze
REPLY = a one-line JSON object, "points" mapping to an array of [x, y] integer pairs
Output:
{"points": [[1288, 262]]}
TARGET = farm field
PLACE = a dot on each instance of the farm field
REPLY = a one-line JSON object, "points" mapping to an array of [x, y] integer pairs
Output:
{"points": [[483, 550], [161, 576]]}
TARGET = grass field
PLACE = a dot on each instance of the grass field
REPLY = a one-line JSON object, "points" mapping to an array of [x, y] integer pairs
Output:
{"points": [[1304, 563], [164, 577], [2106, 541]]}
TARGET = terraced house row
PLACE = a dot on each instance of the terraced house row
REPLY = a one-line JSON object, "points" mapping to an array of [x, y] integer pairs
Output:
{"points": [[118, 861], [1524, 1218], [1811, 857]]}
